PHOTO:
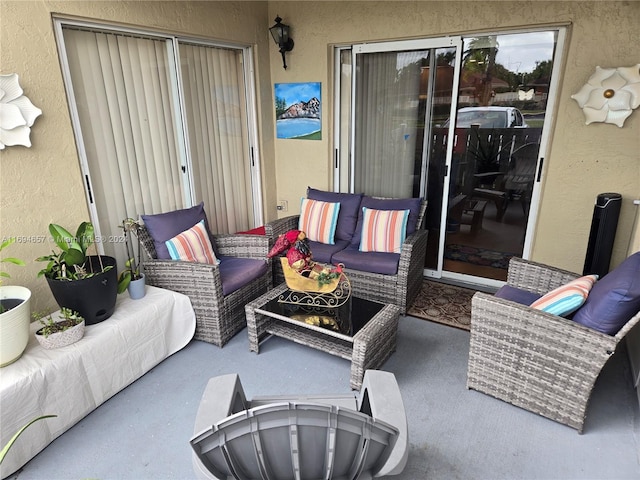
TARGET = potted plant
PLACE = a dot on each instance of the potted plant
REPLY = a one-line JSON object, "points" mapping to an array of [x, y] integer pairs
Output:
{"points": [[131, 278], [487, 149], [84, 283], [15, 314], [68, 329]]}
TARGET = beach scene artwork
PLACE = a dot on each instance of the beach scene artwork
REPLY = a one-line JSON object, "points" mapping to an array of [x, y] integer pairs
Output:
{"points": [[298, 112]]}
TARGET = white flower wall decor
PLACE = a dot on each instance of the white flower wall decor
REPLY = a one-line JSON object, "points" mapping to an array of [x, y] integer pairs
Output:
{"points": [[610, 95], [17, 113]]}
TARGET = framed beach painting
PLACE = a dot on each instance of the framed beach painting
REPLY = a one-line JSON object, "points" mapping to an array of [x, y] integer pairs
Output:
{"points": [[298, 112]]}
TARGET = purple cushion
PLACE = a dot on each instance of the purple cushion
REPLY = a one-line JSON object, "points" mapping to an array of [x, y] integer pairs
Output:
{"points": [[348, 214], [373, 262], [614, 299], [323, 252], [411, 204], [523, 297], [236, 272], [165, 226]]}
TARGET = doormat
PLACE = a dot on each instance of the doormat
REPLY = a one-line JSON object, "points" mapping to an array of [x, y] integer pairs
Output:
{"points": [[478, 256], [442, 303]]}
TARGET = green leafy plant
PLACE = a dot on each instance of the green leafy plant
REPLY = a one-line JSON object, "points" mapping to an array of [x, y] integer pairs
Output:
{"points": [[327, 275], [132, 265], [5, 449], [13, 260], [67, 319], [71, 262], [487, 147]]}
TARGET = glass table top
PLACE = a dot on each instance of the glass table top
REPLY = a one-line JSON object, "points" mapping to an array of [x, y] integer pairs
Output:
{"points": [[346, 319]]}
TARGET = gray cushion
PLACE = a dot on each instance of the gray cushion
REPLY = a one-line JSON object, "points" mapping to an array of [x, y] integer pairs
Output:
{"points": [[165, 226], [614, 299], [348, 214], [237, 272], [373, 262], [323, 252], [523, 297]]}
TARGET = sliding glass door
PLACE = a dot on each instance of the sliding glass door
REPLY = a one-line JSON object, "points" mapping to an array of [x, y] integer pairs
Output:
{"points": [[401, 92], [505, 99], [161, 123], [394, 104], [215, 108], [461, 122]]}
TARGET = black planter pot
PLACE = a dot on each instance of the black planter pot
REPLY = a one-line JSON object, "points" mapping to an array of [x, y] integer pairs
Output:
{"points": [[94, 297]]}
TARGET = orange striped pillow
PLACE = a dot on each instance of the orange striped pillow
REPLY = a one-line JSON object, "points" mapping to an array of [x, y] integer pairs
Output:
{"points": [[566, 299], [192, 245], [318, 220], [383, 230]]}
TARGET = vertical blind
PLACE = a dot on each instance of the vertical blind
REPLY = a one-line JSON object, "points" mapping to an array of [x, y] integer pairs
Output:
{"points": [[215, 108], [132, 115], [386, 109], [121, 91]]}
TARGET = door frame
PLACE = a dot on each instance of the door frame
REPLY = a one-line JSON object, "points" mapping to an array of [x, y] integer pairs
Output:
{"points": [[541, 165], [561, 33], [431, 44]]}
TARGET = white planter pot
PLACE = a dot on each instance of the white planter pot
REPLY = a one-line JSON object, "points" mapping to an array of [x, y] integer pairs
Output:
{"points": [[61, 339], [14, 324]]}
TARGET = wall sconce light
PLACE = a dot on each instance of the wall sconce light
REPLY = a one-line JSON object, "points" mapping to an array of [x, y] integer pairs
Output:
{"points": [[280, 34]]}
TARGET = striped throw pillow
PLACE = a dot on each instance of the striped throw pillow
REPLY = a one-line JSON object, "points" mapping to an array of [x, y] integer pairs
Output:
{"points": [[192, 245], [566, 299], [383, 230], [318, 220]]}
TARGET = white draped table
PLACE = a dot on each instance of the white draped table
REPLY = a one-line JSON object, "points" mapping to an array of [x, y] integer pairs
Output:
{"points": [[72, 381]]}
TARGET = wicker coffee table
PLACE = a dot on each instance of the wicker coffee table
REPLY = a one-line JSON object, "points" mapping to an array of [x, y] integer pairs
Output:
{"points": [[361, 331]]}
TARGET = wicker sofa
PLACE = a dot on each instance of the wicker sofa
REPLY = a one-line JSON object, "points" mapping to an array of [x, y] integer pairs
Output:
{"points": [[542, 362], [384, 277]]}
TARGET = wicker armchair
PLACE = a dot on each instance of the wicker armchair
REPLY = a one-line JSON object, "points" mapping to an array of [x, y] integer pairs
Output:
{"points": [[400, 289], [218, 317], [541, 362]]}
